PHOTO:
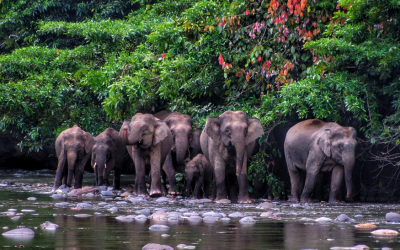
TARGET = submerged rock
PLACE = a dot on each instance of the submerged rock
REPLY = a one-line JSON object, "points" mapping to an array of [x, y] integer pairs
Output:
{"points": [[124, 218], [385, 232], [16, 217], [143, 211], [357, 247], [223, 201], [344, 218], [84, 205], [19, 231], [62, 204], [247, 220], [323, 219], [28, 210], [155, 246], [265, 205], [159, 228], [366, 225], [83, 215], [236, 215], [32, 198], [392, 217], [48, 226]]}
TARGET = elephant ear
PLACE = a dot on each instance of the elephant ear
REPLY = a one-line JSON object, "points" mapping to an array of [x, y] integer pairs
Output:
{"points": [[212, 128], [324, 142], [89, 142], [255, 130], [195, 142], [60, 144], [160, 132]]}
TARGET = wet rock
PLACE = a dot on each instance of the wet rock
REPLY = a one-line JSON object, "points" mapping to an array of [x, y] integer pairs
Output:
{"points": [[56, 196], [358, 216], [344, 218], [247, 220], [392, 217], [19, 232], [159, 228], [101, 188], [266, 214], [8, 213], [205, 200], [102, 203], [28, 210], [190, 214], [155, 246], [265, 205], [83, 215], [16, 217], [307, 219], [173, 218], [159, 214], [83, 191], [12, 210], [5, 228], [141, 217], [210, 219], [189, 247], [223, 201], [165, 235], [366, 225], [194, 218], [213, 214], [176, 214], [89, 195], [182, 210], [386, 248], [48, 226], [162, 199], [385, 232], [97, 213], [113, 209], [225, 219], [236, 215], [107, 193], [32, 198], [323, 219], [358, 247], [84, 205], [143, 211], [181, 246], [121, 203], [124, 218], [136, 200]]}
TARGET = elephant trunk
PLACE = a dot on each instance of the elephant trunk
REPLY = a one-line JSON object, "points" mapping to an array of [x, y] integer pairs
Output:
{"points": [[100, 163], [124, 135], [181, 144], [240, 150], [348, 160], [71, 159]]}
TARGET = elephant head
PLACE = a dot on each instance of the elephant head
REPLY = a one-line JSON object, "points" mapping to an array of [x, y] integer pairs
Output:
{"points": [[143, 131], [339, 143], [235, 131], [103, 155], [193, 170]]}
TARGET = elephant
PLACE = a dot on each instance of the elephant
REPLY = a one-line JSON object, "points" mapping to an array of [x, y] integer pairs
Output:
{"points": [[148, 142], [74, 146], [198, 171], [186, 144], [314, 146], [107, 155], [227, 142]]}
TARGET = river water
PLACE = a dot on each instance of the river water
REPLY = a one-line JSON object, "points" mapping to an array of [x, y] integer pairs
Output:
{"points": [[293, 227]]}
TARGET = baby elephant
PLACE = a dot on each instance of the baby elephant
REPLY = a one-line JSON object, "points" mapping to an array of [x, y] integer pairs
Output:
{"points": [[107, 154], [199, 173]]}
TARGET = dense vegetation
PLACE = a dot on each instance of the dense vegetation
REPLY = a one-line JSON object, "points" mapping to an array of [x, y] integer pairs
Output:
{"points": [[96, 63]]}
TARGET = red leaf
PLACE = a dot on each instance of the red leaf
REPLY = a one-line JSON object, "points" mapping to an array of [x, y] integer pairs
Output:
{"points": [[259, 58], [247, 12], [268, 64], [221, 59], [164, 55]]}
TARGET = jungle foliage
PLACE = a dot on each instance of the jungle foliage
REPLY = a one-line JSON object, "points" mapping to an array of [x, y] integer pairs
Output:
{"points": [[95, 63]]}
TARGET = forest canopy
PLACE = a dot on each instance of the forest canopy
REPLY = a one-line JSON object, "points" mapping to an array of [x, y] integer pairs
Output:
{"points": [[95, 63]]}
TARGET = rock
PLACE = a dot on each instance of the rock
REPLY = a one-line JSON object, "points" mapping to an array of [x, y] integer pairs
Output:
{"points": [[189, 247], [12, 210], [101, 188], [181, 246], [84, 191], [107, 193], [113, 209], [143, 211], [358, 247], [205, 200], [266, 214], [165, 235], [323, 219], [124, 218], [247, 220], [236, 215], [175, 214], [83, 215], [182, 210], [275, 203], [48, 226], [141, 218], [27, 210], [5, 228], [307, 219], [366, 225], [97, 213], [265, 205], [89, 195], [121, 203], [154, 246], [210, 219], [173, 218], [56, 196], [225, 219], [16, 217], [194, 218], [358, 216], [19, 232], [62, 204], [223, 201], [190, 214], [102, 203], [160, 214], [213, 214], [194, 201], [385, 232], [9, 213], [344, 218], [125, 194], [32, 198], [159, 228], [392, 217], [84, 205], [162, 199]]}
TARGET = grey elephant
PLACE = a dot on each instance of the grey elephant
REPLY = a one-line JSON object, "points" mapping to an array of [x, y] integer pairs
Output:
{"points": [[74, 147], [107, 155], [314, 146], [148, 141], [198, 172], [186, 144], [227, 142]]}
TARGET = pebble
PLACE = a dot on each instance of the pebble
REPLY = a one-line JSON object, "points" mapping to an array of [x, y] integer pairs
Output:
{"points": [[213, 214], [136, 200], [162, 199], [62, 204], [84, 205], [225, 219], [16, 217], [125, 194], [265, 205], [223, 201], [189, 247], [181, 246], [141, 217], [32, 198], [358, 247], [205, 200], [323, 219], [210, 219], [194, 218], [122, 203], [385, 232], [155, 246], [48, 226], [19, 232], [124, 218], [27, 210], [102, 203], [344, 218], [266, 214], [82, 215], [236, 215], [358, 216], [113, 209], [159, 228], [143, 211], [247, 219], [392, 217], [165, 235], [107, 193], [12, 210], [182, 210]]}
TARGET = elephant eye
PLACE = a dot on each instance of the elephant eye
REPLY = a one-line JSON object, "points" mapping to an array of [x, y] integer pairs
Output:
{"points": [[172, 132], [227, 131], [245, 131], [340, 148]]}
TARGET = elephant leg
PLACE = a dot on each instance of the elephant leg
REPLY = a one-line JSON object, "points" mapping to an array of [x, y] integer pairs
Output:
{"points": [[232, 185], [214, 189], [70, 176], [336, 183], [164, 190], [140, 183], [206, 189], [169, 170], [78, 178], [309, 186], [117, 178], [244, 183], [295, 183], [197, 188], [220, 179], [319, 187], [155, 163], [59, 175]]}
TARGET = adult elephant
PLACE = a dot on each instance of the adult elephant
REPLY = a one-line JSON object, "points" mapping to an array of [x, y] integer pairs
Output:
{"points": [[107, 155], [314, 146], [74, 147], [148, 141], [186, 144], [227, 142]]}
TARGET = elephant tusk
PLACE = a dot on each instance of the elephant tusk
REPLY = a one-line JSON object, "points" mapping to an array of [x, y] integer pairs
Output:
{"points": [[95, 165], [105, 165]]}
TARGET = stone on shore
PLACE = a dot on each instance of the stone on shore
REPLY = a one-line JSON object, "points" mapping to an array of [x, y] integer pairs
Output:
{"points": [[155, 246]]}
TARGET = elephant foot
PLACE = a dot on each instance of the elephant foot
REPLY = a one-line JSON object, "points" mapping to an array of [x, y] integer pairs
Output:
{"points": [[293, 199], [309, 200], [154, 194], [172, 192], [143, 194], [245, 201]]}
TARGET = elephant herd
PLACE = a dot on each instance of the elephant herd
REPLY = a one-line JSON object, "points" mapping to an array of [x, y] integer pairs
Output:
{"points": [[217, 156]]}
